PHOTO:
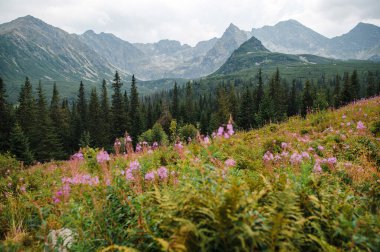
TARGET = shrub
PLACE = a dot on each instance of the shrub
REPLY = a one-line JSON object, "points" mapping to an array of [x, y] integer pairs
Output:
{"points": [[8, 162], [188, 131]]}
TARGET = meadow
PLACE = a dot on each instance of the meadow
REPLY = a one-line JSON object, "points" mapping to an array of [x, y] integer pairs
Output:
{"points": [[308, 184]]}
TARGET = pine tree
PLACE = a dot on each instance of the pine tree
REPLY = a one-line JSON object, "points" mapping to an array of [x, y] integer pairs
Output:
{"points": [[135, 112], [19, 145], [346, 95], [371, 89], [307, 99], [232, 102], [118, 125], [82, 109], [149, 115], [355, 85], [259, 92], [223, 105], [6, 120], [245, 116], [104, 124], [49, 144], [266, 111], [94, 119], [126, 105], [336, 93], [189, 107], [26, 111], [292, 104], [175, 103]]}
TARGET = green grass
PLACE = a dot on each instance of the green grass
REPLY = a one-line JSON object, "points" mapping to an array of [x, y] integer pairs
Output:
{"points": [[206, 205]]}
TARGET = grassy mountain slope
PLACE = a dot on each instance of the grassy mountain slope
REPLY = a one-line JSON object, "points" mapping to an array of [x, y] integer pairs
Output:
{"points": [[303, 185]]}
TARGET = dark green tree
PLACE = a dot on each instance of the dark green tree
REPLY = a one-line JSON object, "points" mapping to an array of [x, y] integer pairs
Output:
{"points": [[94, 119], [246, 114], [346, 95], [355, 85], [104, 124], [307, 99], [292, 103], [259, 92], [82, 109], [118, 124], [135, 112], [49, 144], [189, 106], [6, 119], [175, 102], [19, 145], [26, 111], [336, 93], [371, 88]]}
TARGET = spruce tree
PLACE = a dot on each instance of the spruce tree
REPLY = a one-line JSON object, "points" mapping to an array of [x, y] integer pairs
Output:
{"points": [[104, 124], [118, 125], [19, 145], [175, 103], [232, 102], [336, 93], [49, 144], [346, 95], [189, 107], [245, 116], [223, 105], [82, 109], [6, 119], [307, 99], [94, 119], [355, 85], [292, 104], [26, 111], [371, 88], [149, 115], [135, 112], [259, 92]]}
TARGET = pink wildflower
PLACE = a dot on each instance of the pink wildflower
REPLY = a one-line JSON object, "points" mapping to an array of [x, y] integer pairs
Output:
{"points": [[133, 168], [162, 172], [310, 149], [343, 116], [138, 147], [150, 176], [295, 158], [284, 145], [230, 162], [317, 167], [305, 155], [360, 126], [102, 157], [220, 131], [226, 135], [321, 148], [77, 156], [22, 189], [230, 129], [268, 156], [332, 160]]}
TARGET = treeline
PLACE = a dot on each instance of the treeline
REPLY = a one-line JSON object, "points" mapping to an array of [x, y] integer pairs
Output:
{"points": [[40, 130]]}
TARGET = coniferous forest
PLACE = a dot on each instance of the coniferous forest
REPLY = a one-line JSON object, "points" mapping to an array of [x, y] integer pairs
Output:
{"points": [[41, 129]]}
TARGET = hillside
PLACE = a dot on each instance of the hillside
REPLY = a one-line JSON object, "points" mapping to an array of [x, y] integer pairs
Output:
{"points": [[304, 185], [252, 55]]}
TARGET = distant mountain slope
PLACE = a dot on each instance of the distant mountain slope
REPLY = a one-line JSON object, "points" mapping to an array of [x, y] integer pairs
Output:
{"points": [[30, 47], [362, 42], [252, 54]]}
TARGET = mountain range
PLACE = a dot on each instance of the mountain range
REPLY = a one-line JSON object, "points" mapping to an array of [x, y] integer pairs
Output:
{"points": [[30, 47]]}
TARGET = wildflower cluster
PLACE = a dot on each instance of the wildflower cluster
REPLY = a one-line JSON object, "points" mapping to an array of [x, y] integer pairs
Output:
{"points": [[225, 132], [132, 171], [162, 173], [102, 157]]}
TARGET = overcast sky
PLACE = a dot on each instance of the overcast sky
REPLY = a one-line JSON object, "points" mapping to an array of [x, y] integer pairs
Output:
{"points": [[191, 21]]}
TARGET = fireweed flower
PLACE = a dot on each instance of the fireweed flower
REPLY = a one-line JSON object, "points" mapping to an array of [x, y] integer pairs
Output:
{"points": [[138, 147], [317, 167], [150, 176], [284, 145], [305, 155], [230, 162], [77, 156], [268, 156], [230, 129], [102, 157], [321, 148], [134, 167], [220, 131], [162, 172], [360, 126], [178, 145], [331, 161], [295, 158]]}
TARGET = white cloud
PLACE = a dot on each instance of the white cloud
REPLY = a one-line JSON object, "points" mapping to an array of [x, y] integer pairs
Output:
{"points": [[190, 21]]}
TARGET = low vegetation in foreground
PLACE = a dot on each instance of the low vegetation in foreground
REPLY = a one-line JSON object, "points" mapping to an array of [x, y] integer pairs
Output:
{"points": [[303, 185]]}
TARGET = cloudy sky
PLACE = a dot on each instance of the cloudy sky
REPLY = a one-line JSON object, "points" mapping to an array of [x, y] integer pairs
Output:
{"points": [[190, 21]]}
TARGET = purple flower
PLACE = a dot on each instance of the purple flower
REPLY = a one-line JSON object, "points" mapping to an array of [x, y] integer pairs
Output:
{"points": [[305, 155], [317, 167], [268, 156], [230, 162], [138, 148], [360, 126], [230, 129], [321, 148], [178, 145], [332, 160], [128, 139], [150, 176], [206, 140], [295, 158], [56, 200], [310, 149], [284, 145], [133, 168], [22, 189], [77, 156], [220, 131], [343, 116], [226, 135], [155, 145], [162, 172], [102, 157]]}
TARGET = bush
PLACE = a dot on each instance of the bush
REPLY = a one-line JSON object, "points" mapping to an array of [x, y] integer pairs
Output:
{"points": [[156, 134], [188, 131], [8, 162]]}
